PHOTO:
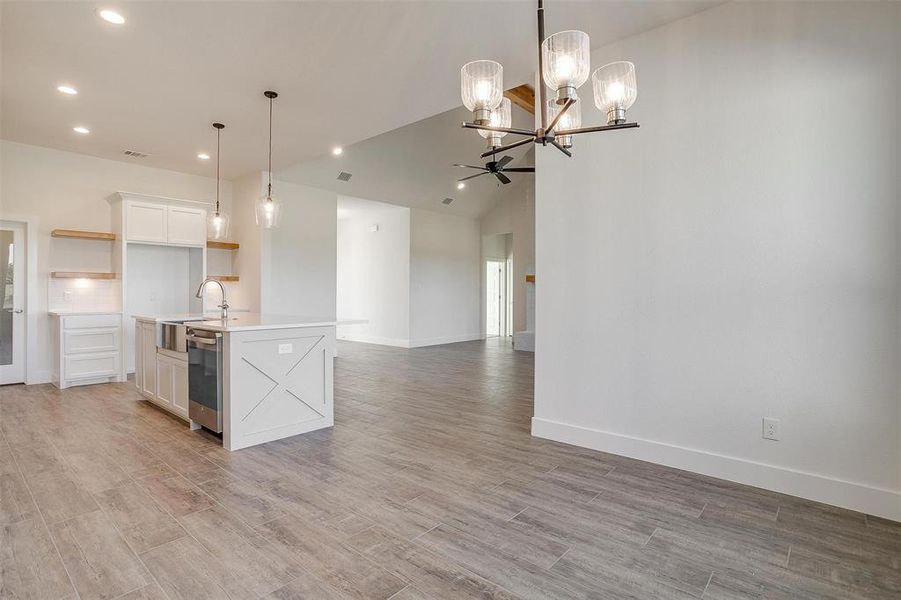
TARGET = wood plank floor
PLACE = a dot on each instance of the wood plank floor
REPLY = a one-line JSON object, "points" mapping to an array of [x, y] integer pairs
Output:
{"points": [[429, 486]]}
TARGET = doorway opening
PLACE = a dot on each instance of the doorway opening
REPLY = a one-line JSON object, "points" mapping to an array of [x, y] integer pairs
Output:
{"points": [[12, 302]]}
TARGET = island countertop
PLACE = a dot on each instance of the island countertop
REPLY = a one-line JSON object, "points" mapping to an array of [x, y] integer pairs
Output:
{"points": [[258, 322]]}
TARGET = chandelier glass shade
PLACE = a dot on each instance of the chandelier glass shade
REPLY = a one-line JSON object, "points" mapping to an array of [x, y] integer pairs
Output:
{"points": [[502, 116], [570, 119], [567, 62], [482, 87], [217, 221], [615, 90]]}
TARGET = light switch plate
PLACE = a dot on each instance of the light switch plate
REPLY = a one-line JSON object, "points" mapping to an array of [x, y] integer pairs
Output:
{"points": [[285, 348]]}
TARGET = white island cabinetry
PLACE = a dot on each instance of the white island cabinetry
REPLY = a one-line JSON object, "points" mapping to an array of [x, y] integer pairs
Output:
{"points": [[161, 375]]}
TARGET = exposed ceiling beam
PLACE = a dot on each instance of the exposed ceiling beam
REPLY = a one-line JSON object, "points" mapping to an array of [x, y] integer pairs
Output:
{"points": [[522, 96]]}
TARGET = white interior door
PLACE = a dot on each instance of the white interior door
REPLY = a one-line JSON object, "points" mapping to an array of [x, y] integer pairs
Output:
{"points": [[12, 303], [495, 304]]}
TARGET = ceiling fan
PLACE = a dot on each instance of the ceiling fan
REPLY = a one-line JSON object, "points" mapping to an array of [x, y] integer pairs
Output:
{"points": [[496, 168]]}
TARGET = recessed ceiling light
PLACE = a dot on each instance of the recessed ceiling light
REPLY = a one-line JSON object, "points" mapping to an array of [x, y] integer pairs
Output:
{"points": [[337, 150], [111, 16], [203, 156], [67, 89], [81, 129], [461, 185]]}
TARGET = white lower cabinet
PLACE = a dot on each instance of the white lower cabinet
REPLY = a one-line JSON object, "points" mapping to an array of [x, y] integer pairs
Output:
{"points": [[87, 349], [160, 375]]}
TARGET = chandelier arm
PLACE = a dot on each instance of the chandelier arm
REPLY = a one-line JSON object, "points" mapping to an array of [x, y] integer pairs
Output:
{"points": [[599, 128], [507, 147], [553, 123], [562, 149], [498, 129], [541, 85]]}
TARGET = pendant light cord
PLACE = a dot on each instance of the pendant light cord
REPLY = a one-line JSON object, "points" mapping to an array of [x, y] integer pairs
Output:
{"points": [[269, 192], [218, 132]]}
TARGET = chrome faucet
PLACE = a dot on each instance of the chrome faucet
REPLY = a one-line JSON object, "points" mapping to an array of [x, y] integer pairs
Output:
{"points": [[224, 305]]}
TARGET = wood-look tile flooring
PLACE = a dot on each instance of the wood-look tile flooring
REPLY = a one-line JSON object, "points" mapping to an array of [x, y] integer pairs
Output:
{"points": [[429, 486]]}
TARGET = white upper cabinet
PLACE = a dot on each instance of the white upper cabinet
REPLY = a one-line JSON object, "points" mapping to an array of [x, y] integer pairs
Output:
{"points": [[187, 226], [146, 222], [161, 223]]}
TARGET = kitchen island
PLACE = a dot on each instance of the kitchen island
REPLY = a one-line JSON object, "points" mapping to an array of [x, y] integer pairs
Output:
{"points": [[259, 377]]}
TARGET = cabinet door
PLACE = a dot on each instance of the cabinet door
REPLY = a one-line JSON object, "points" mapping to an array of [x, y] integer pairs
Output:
{"points": [[187, 226], [139, 355], [180, 388], [148, 359], [145, 222], [164, 381]]}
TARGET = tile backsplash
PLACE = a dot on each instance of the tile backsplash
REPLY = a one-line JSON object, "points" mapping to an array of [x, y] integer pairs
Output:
{"points": [[84, 294]]}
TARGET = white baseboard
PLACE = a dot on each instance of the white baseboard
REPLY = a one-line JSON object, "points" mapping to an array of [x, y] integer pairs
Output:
{"points": [[452, 339], [875, 501], [371, 339]]}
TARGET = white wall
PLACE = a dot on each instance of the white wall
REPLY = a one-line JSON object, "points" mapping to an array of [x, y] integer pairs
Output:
{"points": [[299, 256], [374, 271], [444, 278], [738, 256], [71, 191]]}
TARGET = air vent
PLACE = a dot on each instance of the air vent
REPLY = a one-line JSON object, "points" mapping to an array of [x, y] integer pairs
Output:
{"points": [[447, 201], [135, 154], [344, 176]]}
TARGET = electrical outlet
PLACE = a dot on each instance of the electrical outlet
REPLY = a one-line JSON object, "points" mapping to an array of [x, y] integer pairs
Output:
{"points": [[771, 429], [285, 348], [67, 296]]}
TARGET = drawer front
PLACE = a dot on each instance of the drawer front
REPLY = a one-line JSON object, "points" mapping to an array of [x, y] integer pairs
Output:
{"points": [[86, 366], [83, 321], [76, 341]]}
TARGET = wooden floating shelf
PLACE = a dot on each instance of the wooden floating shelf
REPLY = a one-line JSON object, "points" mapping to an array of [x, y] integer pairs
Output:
{"points": [[530, 279], [224, 277], [81, 275], [83, 235], [222, 245]]}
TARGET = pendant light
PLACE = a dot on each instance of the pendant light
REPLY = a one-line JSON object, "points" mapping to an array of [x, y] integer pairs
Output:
{"points": [[268, 208], [217, 221]]}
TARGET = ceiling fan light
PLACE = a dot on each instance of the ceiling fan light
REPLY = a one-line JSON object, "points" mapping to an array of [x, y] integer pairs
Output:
{"points": [[615, 90], [482, 88], [566, 62], [268, 211]]}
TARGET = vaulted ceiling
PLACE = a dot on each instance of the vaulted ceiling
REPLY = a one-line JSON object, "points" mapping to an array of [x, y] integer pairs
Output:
{"points": [[345, 71]]}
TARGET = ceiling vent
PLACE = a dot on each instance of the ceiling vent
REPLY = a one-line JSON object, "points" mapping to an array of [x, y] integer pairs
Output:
{"points": [[135, 154], [344, 176], [447, 201]]}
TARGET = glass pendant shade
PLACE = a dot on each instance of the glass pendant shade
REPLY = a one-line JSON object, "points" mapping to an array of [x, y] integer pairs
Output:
{"points": [[482, 87], [502, 116], [571, 119], [268, 211], [217, 226], [615, 89], [566, 62]]}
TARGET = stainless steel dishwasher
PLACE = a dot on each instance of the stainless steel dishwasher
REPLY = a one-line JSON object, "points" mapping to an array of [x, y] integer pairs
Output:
{"points": [[205, 378]]}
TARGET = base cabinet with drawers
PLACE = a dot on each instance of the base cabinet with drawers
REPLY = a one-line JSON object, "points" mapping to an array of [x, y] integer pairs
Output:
{"points": [[87, 349], [160, 375]]}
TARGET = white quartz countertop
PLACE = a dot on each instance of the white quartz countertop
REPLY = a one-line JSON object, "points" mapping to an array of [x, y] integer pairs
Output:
{"points": [[65, 312], [243, 321]]}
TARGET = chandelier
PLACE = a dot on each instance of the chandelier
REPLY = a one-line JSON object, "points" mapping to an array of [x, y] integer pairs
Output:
{"points": [[563, 66]]}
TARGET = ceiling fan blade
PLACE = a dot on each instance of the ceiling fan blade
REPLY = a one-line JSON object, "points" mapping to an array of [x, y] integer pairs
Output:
{"points": [[503, 178], [470, 167], [471, 176], [504, 161], [520, 170]]}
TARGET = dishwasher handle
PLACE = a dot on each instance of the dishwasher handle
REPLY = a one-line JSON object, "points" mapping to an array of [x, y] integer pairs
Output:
{"points": [[203, 340]]}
